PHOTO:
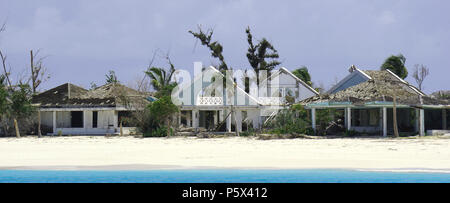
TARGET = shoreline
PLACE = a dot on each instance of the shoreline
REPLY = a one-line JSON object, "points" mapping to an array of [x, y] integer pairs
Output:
{"points": [[80, 153], [137, 167]]}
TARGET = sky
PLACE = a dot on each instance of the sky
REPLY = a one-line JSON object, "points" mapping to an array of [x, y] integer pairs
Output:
{"points": [[83, 39]]}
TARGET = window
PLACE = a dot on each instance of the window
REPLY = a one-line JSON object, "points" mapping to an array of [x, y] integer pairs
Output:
{"points": [[76, 119], [94, 119]]}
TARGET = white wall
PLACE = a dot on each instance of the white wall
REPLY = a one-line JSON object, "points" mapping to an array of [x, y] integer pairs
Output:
{"points": [[63, 119], [47, 118]]}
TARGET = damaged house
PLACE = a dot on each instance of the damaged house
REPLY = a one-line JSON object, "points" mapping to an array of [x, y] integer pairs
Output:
{"points": [[70, 109], [236, 108], [366, 99]]}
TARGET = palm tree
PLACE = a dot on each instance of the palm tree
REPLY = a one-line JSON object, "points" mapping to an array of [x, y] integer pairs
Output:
{"points": [[303, 74]]}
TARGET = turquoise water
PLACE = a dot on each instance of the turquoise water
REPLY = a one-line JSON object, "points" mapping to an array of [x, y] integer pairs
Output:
{"points": [[219, 176]]}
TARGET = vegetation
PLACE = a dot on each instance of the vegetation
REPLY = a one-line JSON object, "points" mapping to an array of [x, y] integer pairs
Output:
{"points": [[289, 121], [111, 77], [303, 74], [215, 47], [156, 119], [258, 54], [420, 73], [396, 64], [161, 79]]}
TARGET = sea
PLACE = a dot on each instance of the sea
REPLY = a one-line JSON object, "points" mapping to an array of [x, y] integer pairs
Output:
{"points": [[219, 176]]}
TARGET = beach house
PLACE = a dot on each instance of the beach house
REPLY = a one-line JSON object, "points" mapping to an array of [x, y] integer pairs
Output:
{"points": [[366, 98], [70, 109], [206, 103]]}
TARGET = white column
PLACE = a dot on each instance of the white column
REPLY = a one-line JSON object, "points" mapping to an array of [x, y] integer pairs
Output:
{"points": [[195, 118], [422, 122], [444, 119], [54, 123], [384, 122], [188, 118], [417, 123], [116, 120], [313, 118], [254, 115], [216, 119], [228, 121], [349, 118], [238, 120]]}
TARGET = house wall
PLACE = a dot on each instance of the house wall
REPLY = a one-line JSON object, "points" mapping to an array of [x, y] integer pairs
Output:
{"points": [[47, 118], [106, 124], [63, 119], [285, 82]]}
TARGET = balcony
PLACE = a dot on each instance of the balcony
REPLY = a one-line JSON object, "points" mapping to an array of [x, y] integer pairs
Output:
{"points": [[209, 101]]}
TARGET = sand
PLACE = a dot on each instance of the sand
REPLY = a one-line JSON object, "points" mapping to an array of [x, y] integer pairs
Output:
{"points": [[128, 153]]}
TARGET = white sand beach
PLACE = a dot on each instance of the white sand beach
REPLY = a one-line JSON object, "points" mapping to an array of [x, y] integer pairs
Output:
{"points": [[128, 153]]}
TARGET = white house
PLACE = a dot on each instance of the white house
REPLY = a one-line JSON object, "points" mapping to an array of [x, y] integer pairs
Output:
{"points": [[366, 99], [204, 102], [69, 109]]}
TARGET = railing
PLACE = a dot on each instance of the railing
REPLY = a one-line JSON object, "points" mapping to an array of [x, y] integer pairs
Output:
{"points": [[272, 100], [209, 101]]}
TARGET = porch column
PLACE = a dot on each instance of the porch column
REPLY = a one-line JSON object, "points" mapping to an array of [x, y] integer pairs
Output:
{"points": [[188, 119], [349, 118], [85, 120], [313, 118], [255, 116], [216, 121], [238, 121], [417, 123], [195, 118], [444, 119], [228, 121], [422, 122], [384, 122], [116, 120], [54, 122]]}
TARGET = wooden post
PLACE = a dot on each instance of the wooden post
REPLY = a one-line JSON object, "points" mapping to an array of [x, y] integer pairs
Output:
{"points": [[39, 124], [394, 117], [384, 122], [121, 129], [17, 128]]}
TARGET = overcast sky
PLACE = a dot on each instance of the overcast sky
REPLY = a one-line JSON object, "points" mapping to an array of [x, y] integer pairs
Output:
{"points": [[86, 38]]}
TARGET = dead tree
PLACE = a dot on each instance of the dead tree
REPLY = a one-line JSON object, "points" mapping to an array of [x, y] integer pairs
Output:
{"points": [[420, 73]]}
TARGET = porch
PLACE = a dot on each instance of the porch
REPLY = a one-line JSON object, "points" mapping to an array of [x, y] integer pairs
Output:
{"points": [[378, 120], [83, 122]]}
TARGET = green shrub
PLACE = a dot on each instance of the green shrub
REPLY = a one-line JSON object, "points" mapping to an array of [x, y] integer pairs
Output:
{"points": [[293, 120], [249, 132], [158, 132], [350, 133]]}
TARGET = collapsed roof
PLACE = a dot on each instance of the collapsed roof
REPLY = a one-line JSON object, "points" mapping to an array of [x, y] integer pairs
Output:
{"points": [[381, 87], [109, 95]]}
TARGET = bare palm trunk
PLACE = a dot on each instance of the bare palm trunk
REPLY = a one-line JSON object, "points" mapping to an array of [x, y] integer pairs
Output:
{"points": [[17, 128], [394, 111], [168, 127], [39, 124], [121, 129]]}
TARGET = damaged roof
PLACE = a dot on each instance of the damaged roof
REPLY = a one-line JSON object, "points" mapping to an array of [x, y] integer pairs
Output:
{"points": [[109, 95], [381, 87]]}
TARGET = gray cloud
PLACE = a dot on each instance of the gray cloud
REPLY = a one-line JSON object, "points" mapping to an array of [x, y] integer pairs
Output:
{"points": [[85, 39]]}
